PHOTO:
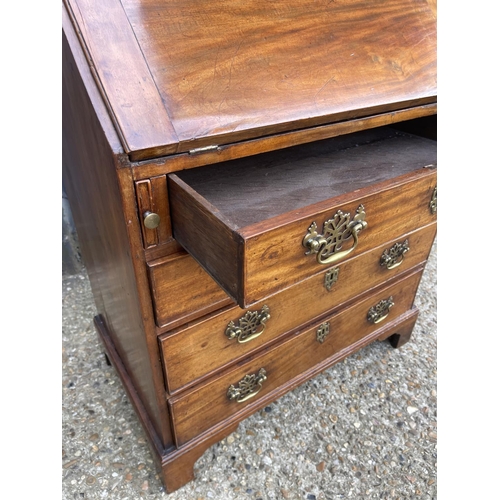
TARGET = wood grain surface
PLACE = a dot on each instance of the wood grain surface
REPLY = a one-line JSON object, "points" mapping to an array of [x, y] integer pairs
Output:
{"points": [[152, 196], [237, 236], [199, 348], [196, 411], [123, 76], [251, 147], [230, 70], [183, 291], [254, 189], [90, 159], [147, 85], [179, 75], [275, 259]]}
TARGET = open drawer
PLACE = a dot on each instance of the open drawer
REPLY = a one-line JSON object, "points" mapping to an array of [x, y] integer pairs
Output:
{"points": [[261, 224]]}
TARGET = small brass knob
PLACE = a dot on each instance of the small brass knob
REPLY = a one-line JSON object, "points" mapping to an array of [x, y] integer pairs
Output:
{"points": [[151, 220]]}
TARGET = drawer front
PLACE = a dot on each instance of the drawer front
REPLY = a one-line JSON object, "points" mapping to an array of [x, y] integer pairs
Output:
{"points": [[318, 209], [183, 291], [196, 351], [276, 259], [208, 404]]}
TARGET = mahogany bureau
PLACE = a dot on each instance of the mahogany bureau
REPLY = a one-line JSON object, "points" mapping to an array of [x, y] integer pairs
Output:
{"points": [[254, 189]]}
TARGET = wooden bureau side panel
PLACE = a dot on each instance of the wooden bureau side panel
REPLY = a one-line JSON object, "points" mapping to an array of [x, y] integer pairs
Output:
{"points": [[198, 349], [206, 405], [182, 291], [275, 258], [91, 161]]}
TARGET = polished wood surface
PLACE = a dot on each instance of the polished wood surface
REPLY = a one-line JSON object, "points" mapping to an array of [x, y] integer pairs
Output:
{"points": [[123, 76], [114, 359], [195, 411], [91, 158], [392, 210], [178, 465], [190, 74], [152, 196], [182, 161], [233, 70], [180, 276], [199, 348], [155, 93], [260, 258], [183, 291]]}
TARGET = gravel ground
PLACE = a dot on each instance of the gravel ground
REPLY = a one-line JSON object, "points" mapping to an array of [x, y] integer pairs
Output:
{"points": [[364, 429]]}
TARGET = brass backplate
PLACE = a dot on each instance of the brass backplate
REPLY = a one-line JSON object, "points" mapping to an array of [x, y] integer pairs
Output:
{"points": [[248, 386], [394, 256], [249, 326], [380, 311], [433, 204], [336, 231]]}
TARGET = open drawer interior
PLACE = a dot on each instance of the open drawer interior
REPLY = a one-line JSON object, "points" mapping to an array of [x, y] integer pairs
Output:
{"points": [[245, 221]]}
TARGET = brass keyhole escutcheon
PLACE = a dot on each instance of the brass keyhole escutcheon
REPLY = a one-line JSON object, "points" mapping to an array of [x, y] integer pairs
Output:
{"points": [[336, 231], [331, 277], [151, 220], [247, 387], [322, 331]]}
